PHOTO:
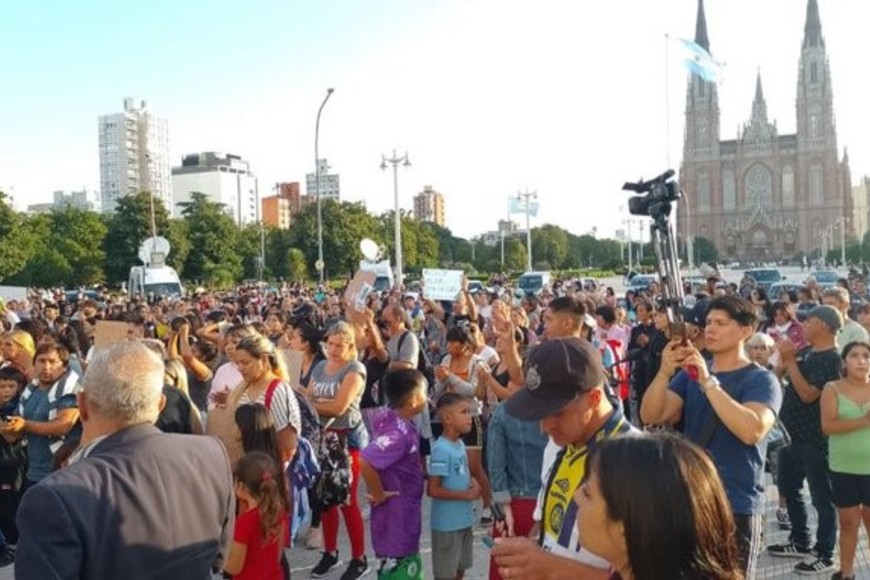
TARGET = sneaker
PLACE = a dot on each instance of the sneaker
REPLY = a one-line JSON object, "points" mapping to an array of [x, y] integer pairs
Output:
{"points": [[819, 566], [327, 563], [782, 519], [788, 551], [356, 569], [7, 557], [486, 518], [313, 539]]}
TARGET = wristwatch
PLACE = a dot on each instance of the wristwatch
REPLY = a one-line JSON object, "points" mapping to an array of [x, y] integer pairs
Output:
{"points": [[711, 383]]}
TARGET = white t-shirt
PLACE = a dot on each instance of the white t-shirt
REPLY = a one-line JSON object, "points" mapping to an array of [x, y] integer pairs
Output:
{"points": [[226, 377]]}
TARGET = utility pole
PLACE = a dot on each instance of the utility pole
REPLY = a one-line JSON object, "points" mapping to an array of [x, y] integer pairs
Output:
{"points": [[525, 197], [395, 160]]}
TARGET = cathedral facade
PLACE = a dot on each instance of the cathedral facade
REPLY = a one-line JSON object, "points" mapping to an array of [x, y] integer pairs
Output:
{"points": [[765, 196]]}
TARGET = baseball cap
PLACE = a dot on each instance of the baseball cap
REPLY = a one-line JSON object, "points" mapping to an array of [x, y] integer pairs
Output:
{"points": [[829, 315], [557, 371]]}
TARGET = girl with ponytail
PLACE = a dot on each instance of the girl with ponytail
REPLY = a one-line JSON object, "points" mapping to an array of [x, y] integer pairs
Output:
{"points": [[262, 524]]}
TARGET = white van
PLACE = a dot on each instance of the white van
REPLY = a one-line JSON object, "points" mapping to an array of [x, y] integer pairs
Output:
{"points": [[533, 282], [384, 279], [156, 281]]}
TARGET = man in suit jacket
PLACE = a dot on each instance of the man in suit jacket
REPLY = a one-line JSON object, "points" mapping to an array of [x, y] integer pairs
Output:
{"points": [[134, 502]]}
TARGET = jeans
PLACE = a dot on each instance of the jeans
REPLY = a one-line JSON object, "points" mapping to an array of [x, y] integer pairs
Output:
{"points": [[798, 462]]}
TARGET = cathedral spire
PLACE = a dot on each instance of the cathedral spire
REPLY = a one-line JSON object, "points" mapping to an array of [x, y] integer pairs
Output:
{"points": [[759, 93], [813, 27], [701, 38]]}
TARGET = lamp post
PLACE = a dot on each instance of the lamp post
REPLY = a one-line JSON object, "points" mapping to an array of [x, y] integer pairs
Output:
{"points": [[395, 160], [842, 221], [319, 265], [524, 197]]}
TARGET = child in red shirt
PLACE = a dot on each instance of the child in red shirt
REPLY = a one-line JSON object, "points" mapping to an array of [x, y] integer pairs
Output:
{"points": [[262, 524]]}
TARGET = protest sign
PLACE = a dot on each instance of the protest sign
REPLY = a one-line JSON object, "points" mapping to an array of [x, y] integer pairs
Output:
{"points": [[442, 284], [109, 333], [359, 289]]}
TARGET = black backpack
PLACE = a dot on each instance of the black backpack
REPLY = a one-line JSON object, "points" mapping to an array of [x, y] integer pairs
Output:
{"points": [[332, 486], [423, 364]]}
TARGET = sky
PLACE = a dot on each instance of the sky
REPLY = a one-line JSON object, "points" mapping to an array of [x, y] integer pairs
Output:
{"points": [[489, 97]]}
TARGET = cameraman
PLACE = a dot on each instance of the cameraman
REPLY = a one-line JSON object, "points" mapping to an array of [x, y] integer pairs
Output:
{"points": [[728, 409]]}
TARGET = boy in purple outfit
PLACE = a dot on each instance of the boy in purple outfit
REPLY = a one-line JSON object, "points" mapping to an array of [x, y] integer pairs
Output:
{"points": [[393, 472]]}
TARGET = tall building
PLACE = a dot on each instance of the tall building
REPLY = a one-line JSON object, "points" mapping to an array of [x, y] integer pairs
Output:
{"points": [[282, 209], [86, 200], [330, 186], [223, 178], [765, 196], [429, 206], [134, 155]]}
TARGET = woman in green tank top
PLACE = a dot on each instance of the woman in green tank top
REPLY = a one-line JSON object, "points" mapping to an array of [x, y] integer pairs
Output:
{"points": [[845, 409]]}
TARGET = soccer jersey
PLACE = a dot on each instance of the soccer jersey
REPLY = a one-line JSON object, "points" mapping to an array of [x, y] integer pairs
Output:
{"points": [[559, 519]]}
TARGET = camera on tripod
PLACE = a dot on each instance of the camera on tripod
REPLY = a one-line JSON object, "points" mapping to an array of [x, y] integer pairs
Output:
{"points": [[660, 192]]}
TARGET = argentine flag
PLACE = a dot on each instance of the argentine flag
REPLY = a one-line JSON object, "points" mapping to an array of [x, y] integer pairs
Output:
{"points": [[518, 205], [699, 62]]}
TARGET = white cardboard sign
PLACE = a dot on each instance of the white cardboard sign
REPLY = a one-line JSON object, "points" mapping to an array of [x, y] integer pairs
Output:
{"points": [[442, 284]]}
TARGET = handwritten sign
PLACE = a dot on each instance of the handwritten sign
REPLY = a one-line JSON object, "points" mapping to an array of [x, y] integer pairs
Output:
{"points": [[108, 333], [442, 284], [359, 289]]}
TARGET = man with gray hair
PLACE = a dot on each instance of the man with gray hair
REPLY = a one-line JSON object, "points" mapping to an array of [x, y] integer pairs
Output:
{"points": [[850, 331], [134, 502]]}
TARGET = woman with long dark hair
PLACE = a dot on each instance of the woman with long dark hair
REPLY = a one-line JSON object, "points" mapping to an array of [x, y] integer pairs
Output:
{"points": [[677, 525]]}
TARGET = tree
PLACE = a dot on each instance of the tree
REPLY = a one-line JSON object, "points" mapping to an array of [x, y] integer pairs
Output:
{"points": [[128, 227], [550, 244], [297, 271], [704, 250], [78, 236], [250, 244], [514, 254], [344, 226], [16, 244], [214, 236]]}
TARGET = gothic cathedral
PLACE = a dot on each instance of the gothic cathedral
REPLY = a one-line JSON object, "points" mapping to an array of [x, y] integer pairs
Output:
{"points": [[765, 196]]}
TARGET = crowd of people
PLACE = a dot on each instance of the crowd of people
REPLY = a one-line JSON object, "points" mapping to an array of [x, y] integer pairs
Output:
{"points": [[591, 436]]}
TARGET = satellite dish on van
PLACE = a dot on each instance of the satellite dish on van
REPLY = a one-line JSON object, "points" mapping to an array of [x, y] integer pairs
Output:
{"points": [[153, 251], [370, 250]]}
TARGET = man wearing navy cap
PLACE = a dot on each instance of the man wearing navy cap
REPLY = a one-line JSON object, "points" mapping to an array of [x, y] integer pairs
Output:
{"points": [[565, 391]]}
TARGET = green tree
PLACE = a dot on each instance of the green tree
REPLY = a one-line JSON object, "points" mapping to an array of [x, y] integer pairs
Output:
{"points": [[344, 226], [704, 250], [128, 227], [297, 270], [249, 247], [550, 244], [17, 245], [514, 254], [78, 236], [214, 236]]}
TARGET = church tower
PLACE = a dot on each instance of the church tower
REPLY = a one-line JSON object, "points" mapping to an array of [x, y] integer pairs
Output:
{"points": [[702, 104], [815, 100]]}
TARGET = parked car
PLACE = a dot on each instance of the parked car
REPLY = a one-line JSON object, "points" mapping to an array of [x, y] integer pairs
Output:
{"points": [[641, 282], [778, 288], [765, 277], [827, 278]]}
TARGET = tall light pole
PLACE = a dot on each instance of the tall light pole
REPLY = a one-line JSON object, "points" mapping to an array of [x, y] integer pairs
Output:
{"points": [[524, 197], [395, 160], [842, 222], [319, 265]]}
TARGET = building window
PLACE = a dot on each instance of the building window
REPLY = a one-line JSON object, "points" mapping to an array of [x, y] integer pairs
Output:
{"points": [[701, 88], [729, 190], [787, 186], [817, 193], [814, 72], [759, 187], [703, 192]]}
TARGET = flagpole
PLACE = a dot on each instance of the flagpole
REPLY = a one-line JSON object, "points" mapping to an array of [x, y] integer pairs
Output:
{"points": [[667, 102]]}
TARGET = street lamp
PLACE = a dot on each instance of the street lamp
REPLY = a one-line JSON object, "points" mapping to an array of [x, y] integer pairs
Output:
{"points": [[395, 160], [319, 265], [525, 196]]}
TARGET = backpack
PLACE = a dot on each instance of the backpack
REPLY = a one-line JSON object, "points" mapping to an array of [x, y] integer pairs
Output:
{"points": [[423, 364], [619, 372], [332, 485]]}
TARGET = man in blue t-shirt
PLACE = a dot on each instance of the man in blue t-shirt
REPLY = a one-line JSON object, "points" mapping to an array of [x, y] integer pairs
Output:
{"points": [[728, 409]]}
